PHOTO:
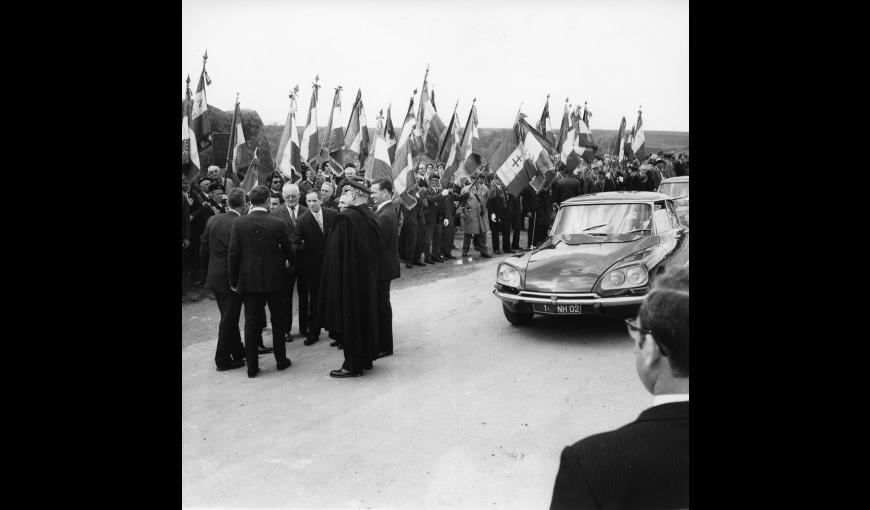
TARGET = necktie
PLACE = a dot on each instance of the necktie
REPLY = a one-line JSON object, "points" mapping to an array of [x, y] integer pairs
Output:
{"points": [[293, 214], [319, 222]]}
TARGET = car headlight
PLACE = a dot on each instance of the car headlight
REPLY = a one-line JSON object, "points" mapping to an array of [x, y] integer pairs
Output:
{"points": [[625, 277], [508, 275]]}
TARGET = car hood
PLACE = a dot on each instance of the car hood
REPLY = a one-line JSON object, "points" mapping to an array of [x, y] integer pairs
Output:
{"points": [[576, 268]]}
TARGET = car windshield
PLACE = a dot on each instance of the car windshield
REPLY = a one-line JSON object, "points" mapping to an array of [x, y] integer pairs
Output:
{"points": [[608, 219], [676, 189]]}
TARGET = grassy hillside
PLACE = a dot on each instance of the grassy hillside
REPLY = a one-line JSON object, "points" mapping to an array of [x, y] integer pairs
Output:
{"points": [[490, 138]]}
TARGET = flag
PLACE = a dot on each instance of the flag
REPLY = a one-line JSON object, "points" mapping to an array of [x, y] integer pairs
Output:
{"points": [[309, 146], [584, 138], [199, 115], [544, 123], [638, 145], [390, 135], [432, 125], [189, 147], [469, 149], [238, 146], [449, 151], [334, 138], [567, 139], [378, 166], [402, 170], [564, 129], [356, 139], [252, 178], [289, 162], [509, 161], [620, 141], [539, 165], [629, 139]]}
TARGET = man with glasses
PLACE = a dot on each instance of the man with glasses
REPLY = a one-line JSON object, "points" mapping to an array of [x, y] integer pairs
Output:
{"points": [[290, 212], [644, 464], [276, 183]]}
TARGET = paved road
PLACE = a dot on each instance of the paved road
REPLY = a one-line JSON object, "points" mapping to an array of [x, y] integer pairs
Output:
{"points": [[470, 412]]}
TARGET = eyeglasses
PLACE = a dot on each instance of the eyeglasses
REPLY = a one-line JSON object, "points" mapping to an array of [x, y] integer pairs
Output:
{"points": [[636, 331]]}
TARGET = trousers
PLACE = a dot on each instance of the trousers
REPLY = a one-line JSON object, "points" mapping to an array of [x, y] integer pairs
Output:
{"points": [[229, 344], [255, 315]]}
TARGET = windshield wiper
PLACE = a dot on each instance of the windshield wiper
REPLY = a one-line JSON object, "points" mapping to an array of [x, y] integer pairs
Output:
{"points": [[639, 230], [596, 226]]}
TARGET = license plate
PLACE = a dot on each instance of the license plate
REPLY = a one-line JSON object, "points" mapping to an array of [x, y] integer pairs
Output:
{"points": [[557, 309]]}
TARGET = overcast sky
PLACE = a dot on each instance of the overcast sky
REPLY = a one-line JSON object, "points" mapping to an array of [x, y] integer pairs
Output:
{"points": [[616, 55]]}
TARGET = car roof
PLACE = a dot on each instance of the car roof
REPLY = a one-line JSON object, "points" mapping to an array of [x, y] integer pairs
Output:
{"points": [[617, 196], [681, 178]]}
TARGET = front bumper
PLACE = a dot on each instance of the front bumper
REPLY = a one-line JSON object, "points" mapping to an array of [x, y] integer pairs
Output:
{"points": [[524, 301]]}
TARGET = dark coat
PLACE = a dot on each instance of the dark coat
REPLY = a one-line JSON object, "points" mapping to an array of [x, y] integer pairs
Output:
{"points": [[433, 210], [347, 300], [413, 215], [388, 258], [214, 248], [497, 202], [644, 464], [185, 217], [565, 188], [283, 214], [309, 241], [259, 247]]}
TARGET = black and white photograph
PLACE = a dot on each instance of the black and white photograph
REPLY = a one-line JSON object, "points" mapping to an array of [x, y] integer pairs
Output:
{"points": [[435, 254]]}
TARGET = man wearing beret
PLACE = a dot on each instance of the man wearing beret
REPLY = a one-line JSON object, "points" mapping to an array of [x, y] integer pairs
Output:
{"points": [[347, 305]]}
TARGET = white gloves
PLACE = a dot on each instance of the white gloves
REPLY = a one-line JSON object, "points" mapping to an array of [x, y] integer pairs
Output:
{"points": [[444, 192], [493, 216], [446, 222]]}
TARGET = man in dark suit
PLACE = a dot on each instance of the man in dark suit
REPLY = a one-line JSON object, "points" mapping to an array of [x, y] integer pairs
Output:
{"points": [[644, 464], [411, 224], [260, 249], [565, 187], [290, 212], [213, 252], [388, 260], [312, 228], [433, 216]]}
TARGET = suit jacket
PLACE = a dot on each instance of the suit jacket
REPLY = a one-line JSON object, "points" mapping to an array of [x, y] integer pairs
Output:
{"points": [[433, 211], [644, 464], [259, 247], [185, 217], [213, 250], [282, 213], [565, 188], [388, 249], [309, 241]]}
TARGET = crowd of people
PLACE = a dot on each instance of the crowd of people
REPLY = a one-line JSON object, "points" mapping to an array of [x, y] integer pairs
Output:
{"points": [[420, 234]]}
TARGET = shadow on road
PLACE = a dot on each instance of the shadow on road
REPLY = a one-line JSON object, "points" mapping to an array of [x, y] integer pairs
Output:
{"points": [[593, 329]]}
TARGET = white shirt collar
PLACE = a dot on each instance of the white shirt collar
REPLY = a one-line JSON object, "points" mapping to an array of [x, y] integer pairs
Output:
{"points": [[257, 208], [672, 397], [233, 211], [294, 209], [382, 205]]}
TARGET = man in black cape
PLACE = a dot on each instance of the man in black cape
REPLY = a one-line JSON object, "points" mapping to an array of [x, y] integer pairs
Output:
{"points": [[347, 304]]}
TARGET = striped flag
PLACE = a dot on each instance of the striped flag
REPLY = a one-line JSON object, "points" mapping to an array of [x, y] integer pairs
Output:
{"points": [[544, 124], [402, 170], [334, 137], [378, 166], [309, 146], [449, 151], [620, 141], [189, 147], [539, 165], [431, 123], [356, 139], [252, 178], [584, 137], [469, 147], [509, 162], [289, 162], [390, 135], [199, 116], [638, 144], [239, 147]]}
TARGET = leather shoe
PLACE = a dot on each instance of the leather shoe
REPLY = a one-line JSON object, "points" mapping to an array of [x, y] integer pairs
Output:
{"points": [[231, 365], [429, 261], [311, 340], [497, 252], [288, 337], [333, 343], [342, 373], [486, 255], [264, 350], [408, 265], [418, 263], [509, 251], [284, 364], [449, 256], [464, 254], [253, 374]]}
